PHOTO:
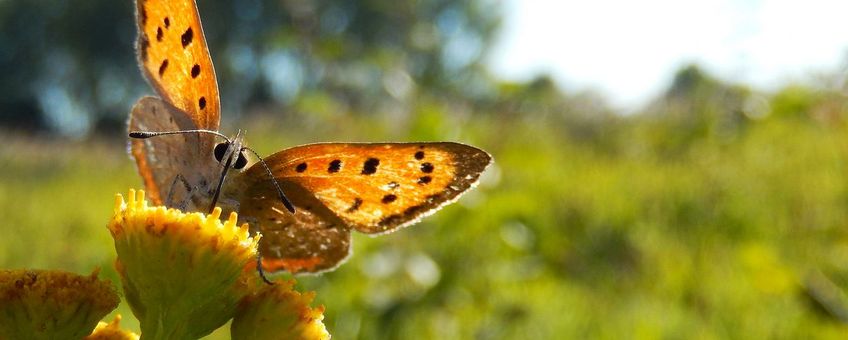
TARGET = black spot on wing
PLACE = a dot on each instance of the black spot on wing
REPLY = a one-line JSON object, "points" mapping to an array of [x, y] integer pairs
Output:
{"points": [[389, 198], [167, 22], [195, 71], [335, 166], [163, 67], [159, 34], [419, 155], [427, 167], [425, 180], [356, 204], [370, 166], [187, 37], [202, 103], [300, 167]]}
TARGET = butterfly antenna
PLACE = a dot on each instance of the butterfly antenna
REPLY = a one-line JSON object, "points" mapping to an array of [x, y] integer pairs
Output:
{"points": [[283, 197], [148, 134]]}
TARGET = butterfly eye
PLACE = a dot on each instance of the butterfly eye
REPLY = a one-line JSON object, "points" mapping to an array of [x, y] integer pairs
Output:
{"points": [[241, 161], [221, 150]]}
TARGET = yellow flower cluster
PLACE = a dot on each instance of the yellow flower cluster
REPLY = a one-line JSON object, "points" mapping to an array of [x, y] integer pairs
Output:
{"points": [[39, 304], [181, 272], [183, 275], [290, 310], [186, 274]]}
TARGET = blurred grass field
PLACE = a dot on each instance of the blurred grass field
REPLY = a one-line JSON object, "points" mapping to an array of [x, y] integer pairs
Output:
{"points": [[647, 231]]}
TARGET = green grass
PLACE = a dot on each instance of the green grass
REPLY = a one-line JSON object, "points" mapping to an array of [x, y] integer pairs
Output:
{"points": [[560, 240]]}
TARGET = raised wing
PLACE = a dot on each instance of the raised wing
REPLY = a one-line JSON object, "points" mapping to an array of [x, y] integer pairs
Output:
{"points": [[378, 187], [161, 159], [173, 56]]}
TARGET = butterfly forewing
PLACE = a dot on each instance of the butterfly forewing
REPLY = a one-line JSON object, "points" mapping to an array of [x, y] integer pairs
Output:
{"points": [[379, 187], [173, 55], [161, 159]]}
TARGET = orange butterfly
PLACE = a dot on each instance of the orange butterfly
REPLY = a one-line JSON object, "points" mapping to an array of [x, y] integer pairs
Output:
{"points": [[304, 200]]}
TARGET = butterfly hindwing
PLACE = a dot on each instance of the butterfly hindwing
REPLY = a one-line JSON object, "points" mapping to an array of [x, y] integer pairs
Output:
{"points": [[161, 159], [311, 240], [379, 187], [173, 55]]}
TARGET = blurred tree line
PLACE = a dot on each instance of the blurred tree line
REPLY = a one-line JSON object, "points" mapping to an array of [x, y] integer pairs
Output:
{"points": [[69, 67]]}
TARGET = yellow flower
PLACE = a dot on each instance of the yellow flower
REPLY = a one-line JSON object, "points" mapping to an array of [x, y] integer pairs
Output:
{"points": [[111, 331], [39, 304], [278, 312], [181, 272]]}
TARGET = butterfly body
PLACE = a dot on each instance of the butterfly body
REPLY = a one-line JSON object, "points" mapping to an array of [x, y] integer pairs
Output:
{"points": [[304, 200]]}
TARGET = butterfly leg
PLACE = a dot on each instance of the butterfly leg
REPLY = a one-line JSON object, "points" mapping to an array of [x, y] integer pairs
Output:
{"points": [[262, 271], [172, 191]]}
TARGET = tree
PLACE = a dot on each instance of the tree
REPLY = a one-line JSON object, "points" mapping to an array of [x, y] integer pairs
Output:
{"points": [[66, 66]]}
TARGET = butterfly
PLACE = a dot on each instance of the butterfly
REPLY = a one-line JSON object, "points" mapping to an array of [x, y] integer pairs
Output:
{"points": [[304, 200]]}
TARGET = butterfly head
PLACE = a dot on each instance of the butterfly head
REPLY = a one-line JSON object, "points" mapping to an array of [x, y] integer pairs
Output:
{"points": [[231, 151], [230, 154]]}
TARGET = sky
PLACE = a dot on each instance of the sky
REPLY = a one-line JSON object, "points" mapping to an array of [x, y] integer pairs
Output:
{"points": [[629, 50]]}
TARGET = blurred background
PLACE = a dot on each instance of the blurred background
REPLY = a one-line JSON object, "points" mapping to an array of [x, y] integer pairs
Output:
{"points": [[662, 170]]}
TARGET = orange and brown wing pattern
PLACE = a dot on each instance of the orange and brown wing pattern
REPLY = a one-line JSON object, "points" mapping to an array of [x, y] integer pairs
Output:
{"points": [[173, 55], [379, 187], [312, 240]]}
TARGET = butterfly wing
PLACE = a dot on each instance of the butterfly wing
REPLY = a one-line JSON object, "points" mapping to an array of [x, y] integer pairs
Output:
{"points": [[379, 187], [161, 159], [311, 240], [373, 188], [173, 56]]}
